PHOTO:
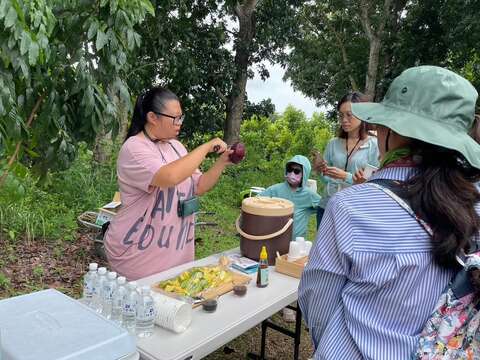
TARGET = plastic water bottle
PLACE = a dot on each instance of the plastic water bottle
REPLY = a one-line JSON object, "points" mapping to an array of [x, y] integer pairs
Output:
{"points": [[109, 287], [145, 313], [118, 298], [130, 307], [98, 293], [89, 283]]}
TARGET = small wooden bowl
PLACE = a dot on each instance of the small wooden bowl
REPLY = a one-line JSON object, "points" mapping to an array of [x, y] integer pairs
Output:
{"points": [[210, 305], [240, 290]]}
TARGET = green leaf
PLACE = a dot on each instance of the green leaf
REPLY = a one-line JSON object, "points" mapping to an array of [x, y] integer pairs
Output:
{"points": [[32, 153], [101, 40], [25, 42], [24, 67], [33, 52], [147, 5], [92, 30], [19, 11], [130, 39], [11, 18], [123, 91], [3, 9], [138, 39]]}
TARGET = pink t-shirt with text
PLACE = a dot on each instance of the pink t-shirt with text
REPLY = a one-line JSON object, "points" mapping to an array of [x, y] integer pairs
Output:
{"points": [[147, 236]]}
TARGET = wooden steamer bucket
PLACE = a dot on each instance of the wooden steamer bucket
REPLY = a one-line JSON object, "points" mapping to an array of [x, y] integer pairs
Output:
{"points": [[265, 221]]}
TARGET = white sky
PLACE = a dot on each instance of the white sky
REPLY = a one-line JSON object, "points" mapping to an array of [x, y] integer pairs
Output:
{"points": [[281, 92]]}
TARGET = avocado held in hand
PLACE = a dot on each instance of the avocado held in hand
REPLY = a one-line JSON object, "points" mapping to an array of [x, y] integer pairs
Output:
{"points": [[238, 152]]}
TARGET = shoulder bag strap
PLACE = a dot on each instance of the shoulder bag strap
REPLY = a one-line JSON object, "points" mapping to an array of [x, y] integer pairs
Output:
{"points": [[391, 188]]}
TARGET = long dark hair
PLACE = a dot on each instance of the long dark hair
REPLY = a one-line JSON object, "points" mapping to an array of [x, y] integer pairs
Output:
{"points": [[444, 194], [354, 97], [154, 100]]}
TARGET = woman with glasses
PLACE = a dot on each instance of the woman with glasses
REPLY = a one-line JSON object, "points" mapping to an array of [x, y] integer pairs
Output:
{"points": [[347, 154], [159, 183]]}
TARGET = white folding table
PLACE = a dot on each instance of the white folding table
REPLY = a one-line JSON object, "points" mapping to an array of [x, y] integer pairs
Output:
{"points": [[234, 316]]}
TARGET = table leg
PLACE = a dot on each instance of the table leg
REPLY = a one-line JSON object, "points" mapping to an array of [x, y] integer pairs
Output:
{"points": [[298, 332], [264, 339], [296, 335]]}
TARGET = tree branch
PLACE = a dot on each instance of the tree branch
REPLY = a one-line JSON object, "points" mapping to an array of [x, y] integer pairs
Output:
{"points": [[365, 20], [386, 15], [220, 95], [250, 4], [340, 43], [19, 144], [345, 60]]}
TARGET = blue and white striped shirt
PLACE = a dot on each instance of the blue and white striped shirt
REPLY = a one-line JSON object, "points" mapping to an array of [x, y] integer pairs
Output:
{"points": [[371, 281]]}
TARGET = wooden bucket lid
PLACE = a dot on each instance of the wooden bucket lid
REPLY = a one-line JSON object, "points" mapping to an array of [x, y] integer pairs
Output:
{"points": [[267, 206]]}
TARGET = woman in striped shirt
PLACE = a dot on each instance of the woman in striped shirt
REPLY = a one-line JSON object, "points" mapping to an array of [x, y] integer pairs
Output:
{"points": [[374, 274]]}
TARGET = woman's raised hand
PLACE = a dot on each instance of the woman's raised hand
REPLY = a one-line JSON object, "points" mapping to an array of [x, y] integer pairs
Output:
{"points": [[217, 145], [335, 172], [359, 177]]}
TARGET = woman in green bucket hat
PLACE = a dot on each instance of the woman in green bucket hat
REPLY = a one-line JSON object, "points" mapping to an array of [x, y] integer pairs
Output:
{"points": [[375, 274]]}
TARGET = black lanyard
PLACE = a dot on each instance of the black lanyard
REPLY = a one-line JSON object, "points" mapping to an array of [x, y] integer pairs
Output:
{"points": [[351, 152], [155, 141]]}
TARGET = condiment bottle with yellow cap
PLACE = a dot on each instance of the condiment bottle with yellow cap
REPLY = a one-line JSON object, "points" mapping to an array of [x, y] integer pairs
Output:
{"points": [[262, 272]]}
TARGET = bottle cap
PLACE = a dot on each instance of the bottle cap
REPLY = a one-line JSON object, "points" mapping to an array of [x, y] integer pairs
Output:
{"points": [[102, 270], [132, 284], [263, 253], [121, 280], [112, 275], [145, 290], [92, 266]]}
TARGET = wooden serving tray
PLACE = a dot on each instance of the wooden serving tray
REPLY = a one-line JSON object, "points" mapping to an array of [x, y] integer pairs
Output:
{"points": [[291, 268], [237, 279]]}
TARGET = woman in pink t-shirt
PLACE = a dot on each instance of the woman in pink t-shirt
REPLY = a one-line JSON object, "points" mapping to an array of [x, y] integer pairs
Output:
{"points": [[156, 173]]}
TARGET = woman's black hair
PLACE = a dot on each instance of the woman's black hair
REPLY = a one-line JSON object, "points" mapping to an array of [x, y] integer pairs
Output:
{"points": [[154, 100], [354, 97], [444, 194]]}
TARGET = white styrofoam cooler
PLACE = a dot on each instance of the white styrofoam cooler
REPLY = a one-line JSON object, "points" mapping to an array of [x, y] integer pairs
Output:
{"points": [[50, 325]]}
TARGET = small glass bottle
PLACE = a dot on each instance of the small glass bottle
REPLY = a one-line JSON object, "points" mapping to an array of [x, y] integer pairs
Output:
{"points": [[262, 272], [145, 313], [109, 287], [118, 298], [89, 283], [97, 300], [130, 307]]}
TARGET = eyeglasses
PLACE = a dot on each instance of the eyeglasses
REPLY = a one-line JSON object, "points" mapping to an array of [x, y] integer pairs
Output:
{"points": [[342, 116], [296, 171], [177, 120]]}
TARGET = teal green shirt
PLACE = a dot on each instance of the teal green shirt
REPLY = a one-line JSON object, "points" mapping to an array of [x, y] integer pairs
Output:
{"points": [[305, 201], [336, 155]]}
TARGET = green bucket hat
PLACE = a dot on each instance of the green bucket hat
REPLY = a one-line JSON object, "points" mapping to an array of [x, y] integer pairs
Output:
{"points": [[430, 104]]}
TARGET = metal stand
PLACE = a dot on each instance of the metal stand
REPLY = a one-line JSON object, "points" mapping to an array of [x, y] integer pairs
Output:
{"points": [[293, 334]]}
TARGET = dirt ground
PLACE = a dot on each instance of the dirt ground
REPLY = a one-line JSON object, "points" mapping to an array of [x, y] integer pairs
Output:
{"points": [[31, 266]]}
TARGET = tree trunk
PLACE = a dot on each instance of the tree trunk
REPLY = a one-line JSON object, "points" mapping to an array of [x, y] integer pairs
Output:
{"points": [[375, 38], [122, 113], [100, 152], [236, 100], [373, 59]]}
